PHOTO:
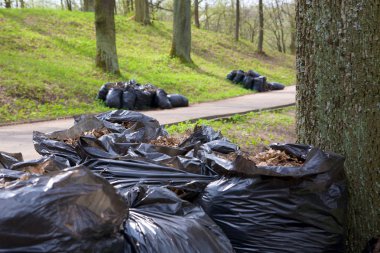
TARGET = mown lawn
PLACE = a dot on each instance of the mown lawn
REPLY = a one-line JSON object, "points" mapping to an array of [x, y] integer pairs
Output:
{"points": [[47, 63]]}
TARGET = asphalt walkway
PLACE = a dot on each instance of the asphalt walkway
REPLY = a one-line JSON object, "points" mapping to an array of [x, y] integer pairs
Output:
{"points": [[18, 138]]}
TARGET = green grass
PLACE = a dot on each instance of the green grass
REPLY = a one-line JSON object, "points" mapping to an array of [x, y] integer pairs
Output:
{"points": [[47, 65], [251, 131]]}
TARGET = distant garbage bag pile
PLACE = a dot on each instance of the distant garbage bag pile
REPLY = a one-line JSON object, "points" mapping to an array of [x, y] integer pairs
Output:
{"points": [[252, 80], [133, 188], [134, 96]]}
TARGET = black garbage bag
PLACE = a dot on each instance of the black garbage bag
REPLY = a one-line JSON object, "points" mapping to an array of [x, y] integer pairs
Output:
{"points": [[161, 222], [8, 159], [103, 91], [144, 99], [127, 173], [252, 73], [58, 143], [238, 77], [177, 100], [45, 145], [283, 209], [231, 75], [248, 82], [202, 134], [114, 98], [147, 128], [129, 99], [162, 100], [71, 211], [275, 86], [42, 165], [260, 84], [300, 151]]}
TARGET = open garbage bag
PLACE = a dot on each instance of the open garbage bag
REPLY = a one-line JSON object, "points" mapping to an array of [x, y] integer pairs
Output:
{"points": [[160, 222], [109, 128], [283, 209], [68, 211]]}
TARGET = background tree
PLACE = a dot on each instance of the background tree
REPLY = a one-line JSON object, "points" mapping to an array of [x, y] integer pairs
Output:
{"points": [[8, 3], [69, 5], [181, 44], [142, 12], [196, 14], [338, 99], [88, 5], [237, 22], [106, 56], [261, 28]]}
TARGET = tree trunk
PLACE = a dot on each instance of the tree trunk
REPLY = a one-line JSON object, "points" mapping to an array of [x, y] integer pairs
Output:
{"points": [[69, 5], [338, 108], [142, 12], [8, 4], [22, 4], [261, 28], [106, 56], [237, 24], [181, 45], [196, 14], [88, 5], [292, 45], [207, 23]]}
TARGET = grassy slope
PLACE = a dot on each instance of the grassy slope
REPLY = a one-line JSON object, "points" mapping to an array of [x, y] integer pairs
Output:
{"points": [[47, 63], [252, 131]]}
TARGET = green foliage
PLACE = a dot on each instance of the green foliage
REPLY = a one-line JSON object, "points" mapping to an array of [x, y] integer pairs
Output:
{"points": [[251, 131], [47, 64]]}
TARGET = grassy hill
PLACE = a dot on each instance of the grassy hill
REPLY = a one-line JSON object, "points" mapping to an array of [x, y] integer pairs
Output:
{"points": [[47, 65]]}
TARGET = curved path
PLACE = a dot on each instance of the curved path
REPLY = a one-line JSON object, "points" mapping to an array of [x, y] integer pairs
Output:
{"points": [[18, 138]]}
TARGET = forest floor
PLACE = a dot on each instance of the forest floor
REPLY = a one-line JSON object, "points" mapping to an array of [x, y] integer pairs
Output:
{"points": [[252, 132], [47, 65]]}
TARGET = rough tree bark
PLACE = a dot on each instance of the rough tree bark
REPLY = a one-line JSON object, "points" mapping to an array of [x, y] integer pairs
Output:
{"points": [[22, 4], [338, 98], [142, 12], [106, 56], [181, 44], [261, 27], [89, 5], [196, 14], [237, 22]]}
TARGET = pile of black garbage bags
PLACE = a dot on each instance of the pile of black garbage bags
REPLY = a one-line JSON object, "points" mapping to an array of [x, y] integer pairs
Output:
{"points": [[252, 80], [118, 192], [134, 96]]}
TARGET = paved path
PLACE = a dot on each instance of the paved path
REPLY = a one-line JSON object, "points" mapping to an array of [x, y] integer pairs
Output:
{"points": [[18, 138]]}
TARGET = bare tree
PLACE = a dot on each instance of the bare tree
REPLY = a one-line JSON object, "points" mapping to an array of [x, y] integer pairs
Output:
{"points": [[289, 10], [8, 4], [88, 5], [181, 45], [196, 14], [237, 24], [261, 28], [69, 5], [106, 56], [142, 12]]}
